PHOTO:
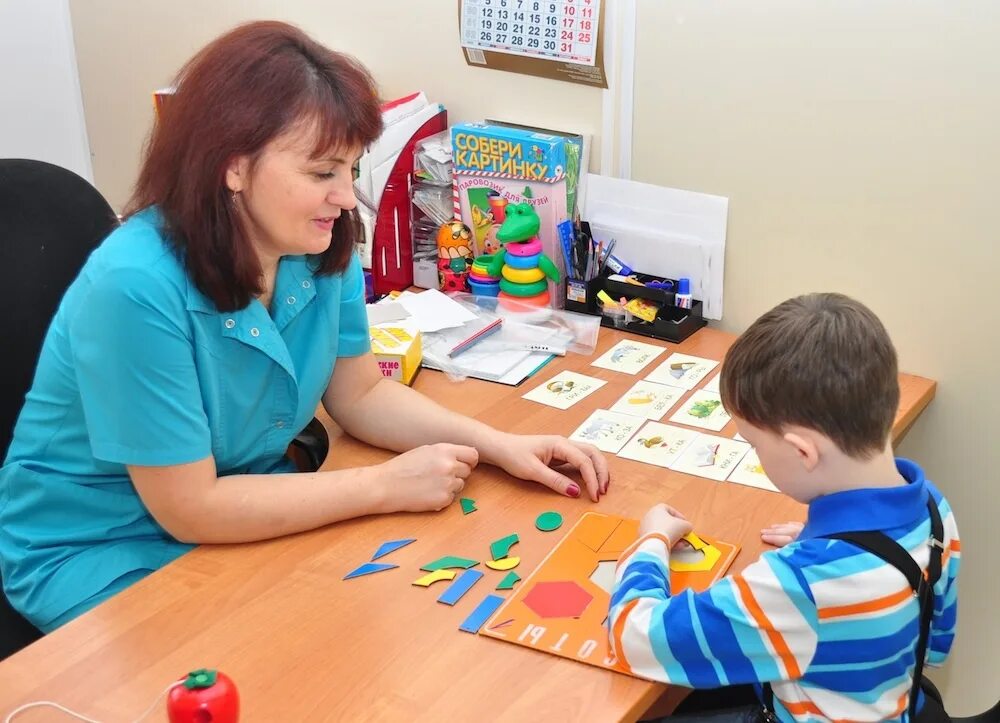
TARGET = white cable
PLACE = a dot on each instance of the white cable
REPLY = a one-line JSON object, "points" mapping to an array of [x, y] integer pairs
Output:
{"points": [[52, 704]]}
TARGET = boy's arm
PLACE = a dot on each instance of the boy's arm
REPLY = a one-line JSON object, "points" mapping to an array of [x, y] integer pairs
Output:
{"points": [[945, 592], [753, 627]]}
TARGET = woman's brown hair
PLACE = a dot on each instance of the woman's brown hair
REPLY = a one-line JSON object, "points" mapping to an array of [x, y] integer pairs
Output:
{"points": [[239, 93]]}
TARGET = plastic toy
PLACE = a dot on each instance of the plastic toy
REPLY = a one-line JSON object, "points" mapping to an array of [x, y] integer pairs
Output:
{"points": [[524, 269], [204, 696]]}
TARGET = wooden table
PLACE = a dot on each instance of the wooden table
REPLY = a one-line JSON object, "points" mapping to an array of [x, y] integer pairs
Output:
{"points": [[302, 644]]}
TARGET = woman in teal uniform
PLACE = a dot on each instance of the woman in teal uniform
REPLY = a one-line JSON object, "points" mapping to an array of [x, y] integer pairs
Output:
{"points": [[203, 333]]}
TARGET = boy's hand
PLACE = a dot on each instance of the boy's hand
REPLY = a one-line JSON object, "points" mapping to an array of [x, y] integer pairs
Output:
{"points": [[781, 534], [667, 521]]}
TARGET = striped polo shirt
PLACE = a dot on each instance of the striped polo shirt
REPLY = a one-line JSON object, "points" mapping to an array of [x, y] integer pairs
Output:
{"points": [[832, 627]]}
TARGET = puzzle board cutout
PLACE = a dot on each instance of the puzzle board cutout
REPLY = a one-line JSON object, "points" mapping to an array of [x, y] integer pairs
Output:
{"points": [[560, 608]]}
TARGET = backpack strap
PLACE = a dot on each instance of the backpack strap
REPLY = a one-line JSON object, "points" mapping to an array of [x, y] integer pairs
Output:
{"points": [[887, 549]]}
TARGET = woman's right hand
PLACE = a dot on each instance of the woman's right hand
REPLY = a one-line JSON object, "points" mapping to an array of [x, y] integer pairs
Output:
{"points": [[426, 478]]}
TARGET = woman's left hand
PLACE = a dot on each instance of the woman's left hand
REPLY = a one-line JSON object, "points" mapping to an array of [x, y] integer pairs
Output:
{"points": [[538, 458]]}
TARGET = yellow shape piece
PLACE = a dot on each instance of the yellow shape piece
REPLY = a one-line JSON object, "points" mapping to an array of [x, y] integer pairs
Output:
{"points": [[522, 276], [436, 576], [711, 556], [507, 563]]}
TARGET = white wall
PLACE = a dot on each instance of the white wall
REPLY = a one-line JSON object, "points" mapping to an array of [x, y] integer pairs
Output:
{"points": [[128, 49], [858, 143], [41, 111]]}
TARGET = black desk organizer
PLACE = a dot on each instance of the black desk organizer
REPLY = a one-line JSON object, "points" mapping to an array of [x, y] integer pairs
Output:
{"points": [[671, 323]]}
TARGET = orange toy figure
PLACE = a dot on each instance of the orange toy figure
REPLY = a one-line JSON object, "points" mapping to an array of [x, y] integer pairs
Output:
{"points": [[561, 607], [454, 256], [453, 243]]}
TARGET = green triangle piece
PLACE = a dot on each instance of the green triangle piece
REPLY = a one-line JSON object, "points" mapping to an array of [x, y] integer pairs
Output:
{"points": [[501, 548], [449, 561], [511, 579], [468, 505], [549, 521]]}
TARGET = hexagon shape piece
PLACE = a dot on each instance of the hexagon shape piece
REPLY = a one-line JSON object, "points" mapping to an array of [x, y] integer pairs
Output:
{"points": [[564, 599]]}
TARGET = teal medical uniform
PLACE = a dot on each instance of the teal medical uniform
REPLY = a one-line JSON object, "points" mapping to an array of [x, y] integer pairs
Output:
{"points": [[140, 368]]}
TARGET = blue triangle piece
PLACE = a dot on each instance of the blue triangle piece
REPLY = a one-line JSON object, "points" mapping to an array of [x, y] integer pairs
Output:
{"points": [[391, 546], [368, 568]]}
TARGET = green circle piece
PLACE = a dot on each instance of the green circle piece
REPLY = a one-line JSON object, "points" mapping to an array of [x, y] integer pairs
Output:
{"points": [[549, 521]]}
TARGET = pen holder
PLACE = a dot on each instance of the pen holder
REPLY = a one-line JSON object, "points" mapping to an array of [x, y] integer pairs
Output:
{"points": [[671, 323]]}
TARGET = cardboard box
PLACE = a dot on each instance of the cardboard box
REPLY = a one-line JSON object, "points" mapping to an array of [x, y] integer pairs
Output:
{"points": [[397, 349]]}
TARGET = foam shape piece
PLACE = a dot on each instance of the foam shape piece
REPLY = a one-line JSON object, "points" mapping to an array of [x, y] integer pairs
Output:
{"points": [[507, 563], [482, 612], [511, 579], [549, 521], [368, 568], [461, 586], [468, 505], [449, 561], [391, 546], [501, 548], [436, 576]]}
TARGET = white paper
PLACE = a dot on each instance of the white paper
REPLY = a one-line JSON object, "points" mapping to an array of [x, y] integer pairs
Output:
{"points": [[433, 311], [381, 313], [713, 384], [662, 231]]}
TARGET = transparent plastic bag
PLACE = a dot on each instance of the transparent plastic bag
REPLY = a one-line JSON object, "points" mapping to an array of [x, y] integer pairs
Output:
{"points": [[524, 330]]}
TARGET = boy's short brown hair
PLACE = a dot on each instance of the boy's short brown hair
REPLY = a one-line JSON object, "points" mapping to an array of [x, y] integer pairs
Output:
{"points": [[822, 361]]}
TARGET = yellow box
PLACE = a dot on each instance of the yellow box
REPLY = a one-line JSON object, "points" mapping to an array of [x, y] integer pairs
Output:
{"points": [[397, 349]]}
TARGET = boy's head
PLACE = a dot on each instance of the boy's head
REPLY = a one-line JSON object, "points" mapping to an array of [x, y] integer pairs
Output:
{"points": [[815, 370]]}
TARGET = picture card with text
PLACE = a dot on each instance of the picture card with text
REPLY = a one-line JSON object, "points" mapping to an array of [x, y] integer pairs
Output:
{"points": [[607, 431], [564, 390], [702, 409], [628, 356], [658, 443], [649, 400], [710, 456], [682, 370], [750, 472]]}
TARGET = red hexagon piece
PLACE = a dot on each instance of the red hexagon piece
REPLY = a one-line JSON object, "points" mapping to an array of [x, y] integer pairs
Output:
{"points": [[558, 599]]}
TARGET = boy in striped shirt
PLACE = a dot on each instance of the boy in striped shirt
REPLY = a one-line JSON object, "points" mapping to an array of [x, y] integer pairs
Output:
{"points": [[812, 385]]}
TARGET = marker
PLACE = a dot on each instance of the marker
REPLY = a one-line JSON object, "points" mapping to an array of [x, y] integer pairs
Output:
{"points": [[682, 299]]}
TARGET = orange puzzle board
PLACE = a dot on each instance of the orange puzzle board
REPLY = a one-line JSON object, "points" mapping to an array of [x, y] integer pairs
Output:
{"points": [[561, 607]]}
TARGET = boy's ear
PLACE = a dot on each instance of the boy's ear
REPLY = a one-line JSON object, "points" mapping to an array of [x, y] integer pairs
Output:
{"points": [[238, 174], [805, 448]]}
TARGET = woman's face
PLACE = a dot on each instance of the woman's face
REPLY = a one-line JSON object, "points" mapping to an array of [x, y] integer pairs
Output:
{"points": [[291, 200]]}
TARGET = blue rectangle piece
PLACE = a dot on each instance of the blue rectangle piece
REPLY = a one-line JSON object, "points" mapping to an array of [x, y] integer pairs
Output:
{"points": [[486, 608], [459, 587]]}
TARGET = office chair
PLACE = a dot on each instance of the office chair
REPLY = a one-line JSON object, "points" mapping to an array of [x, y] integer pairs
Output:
{"points": [[50, 221]]}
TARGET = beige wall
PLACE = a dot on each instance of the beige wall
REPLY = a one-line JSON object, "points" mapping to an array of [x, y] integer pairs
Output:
{"points": [[127, 49], [855, 139], [858, 144]]}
